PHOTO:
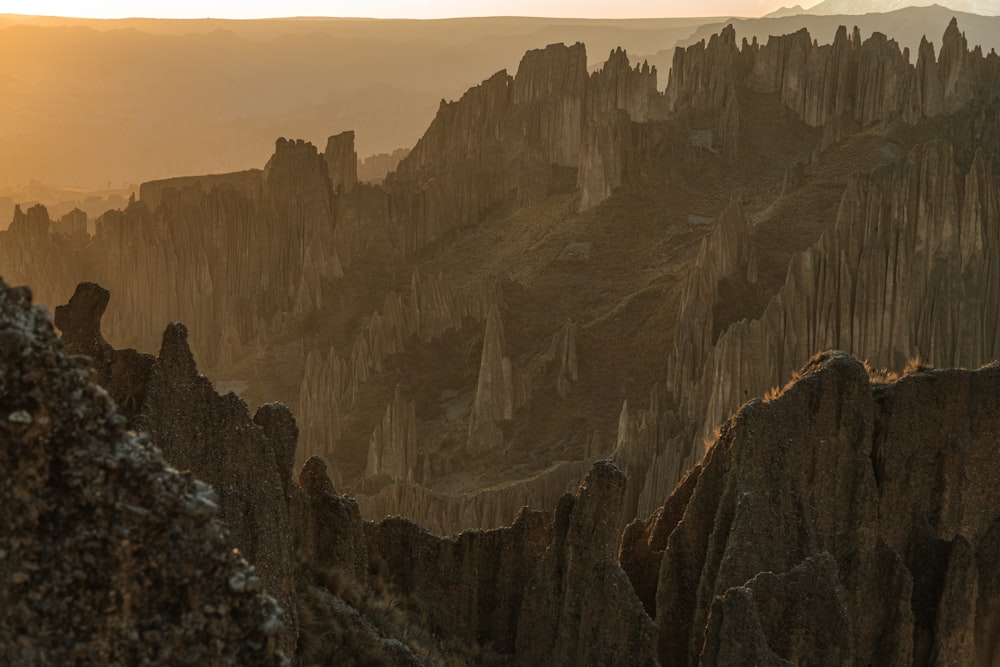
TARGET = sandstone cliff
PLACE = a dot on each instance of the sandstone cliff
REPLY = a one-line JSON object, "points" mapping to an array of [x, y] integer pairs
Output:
{"points": [[109, 555]]}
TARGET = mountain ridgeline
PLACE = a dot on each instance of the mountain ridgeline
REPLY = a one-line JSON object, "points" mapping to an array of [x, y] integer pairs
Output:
{"points": [[552, 323], [299, 282]]}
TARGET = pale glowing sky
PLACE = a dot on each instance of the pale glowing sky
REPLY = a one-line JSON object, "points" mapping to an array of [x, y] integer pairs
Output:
{"points": [[393, 8]]}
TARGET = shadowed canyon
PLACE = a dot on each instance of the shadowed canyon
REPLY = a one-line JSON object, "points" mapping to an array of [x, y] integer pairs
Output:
{"points": [[656, 361]]}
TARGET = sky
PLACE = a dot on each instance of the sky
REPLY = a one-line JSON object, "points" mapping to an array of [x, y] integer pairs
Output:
{"points": [[425, 9]]}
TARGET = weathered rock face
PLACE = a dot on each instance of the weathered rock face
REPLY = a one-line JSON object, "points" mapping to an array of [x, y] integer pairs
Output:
{"points": [[578, 607], [330, 386], [248, 183], [870, 81], [619, 86], [393, 447], [906, 271], [825, 526], [702, 76], [341, 161], [604, 157], [109, 555], [543, 590], [248, 462], [73, 223], [500, 391], [123, 373]]}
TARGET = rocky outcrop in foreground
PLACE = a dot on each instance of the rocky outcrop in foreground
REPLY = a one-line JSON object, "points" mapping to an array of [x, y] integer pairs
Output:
{"points": [[538, 573], [107, 555], [845, 521]]}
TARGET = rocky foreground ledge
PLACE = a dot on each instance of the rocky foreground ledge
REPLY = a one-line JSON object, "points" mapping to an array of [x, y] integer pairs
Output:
{"points": [[107, 554], [852, 518]]}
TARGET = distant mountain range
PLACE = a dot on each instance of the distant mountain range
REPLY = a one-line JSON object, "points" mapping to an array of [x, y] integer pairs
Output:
{"points": [[829, 7]]}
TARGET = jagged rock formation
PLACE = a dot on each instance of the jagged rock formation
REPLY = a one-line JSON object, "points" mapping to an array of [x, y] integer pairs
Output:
{"points": [[248, 462], [108, 555], [836, 523], [564, 617], [868, 82], [844, 520], [653, 457], [123, 373], [544, 589], [341, 162], [500, 390], [913, 277], [331, 384], [73, 223], [393, 447], [562, 352]]}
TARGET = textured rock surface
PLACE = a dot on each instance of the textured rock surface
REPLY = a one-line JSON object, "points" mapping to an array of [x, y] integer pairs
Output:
{"points": [[867, 81], [341, 162], [544, 589], [578, 607], [109, 556], [500, 391], [331, 384], [907, 271], [247, 462], [834, 524]]}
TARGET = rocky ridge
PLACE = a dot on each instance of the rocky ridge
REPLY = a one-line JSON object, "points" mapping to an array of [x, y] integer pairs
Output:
{"points": [[836, 522], [109, 555], [915, 244], [844, 519]]}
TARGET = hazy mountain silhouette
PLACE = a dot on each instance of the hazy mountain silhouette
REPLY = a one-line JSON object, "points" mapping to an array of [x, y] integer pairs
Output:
{"points": [[98, 101], [905, 26], [827, 7]]}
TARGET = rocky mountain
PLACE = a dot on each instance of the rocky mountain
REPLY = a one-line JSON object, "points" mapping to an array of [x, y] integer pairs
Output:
{"points": [[569, 266], [846, 518], [904, 236], [108, 554]]}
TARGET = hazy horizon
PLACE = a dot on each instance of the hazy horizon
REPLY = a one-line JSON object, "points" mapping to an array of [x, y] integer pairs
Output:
{"points": [[396, 9]]}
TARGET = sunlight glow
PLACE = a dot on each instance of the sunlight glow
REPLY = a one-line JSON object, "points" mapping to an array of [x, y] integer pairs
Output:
{"points": [[422, 9]]}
